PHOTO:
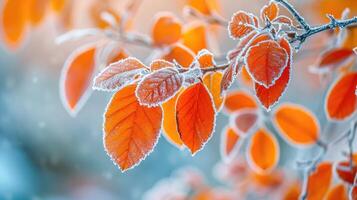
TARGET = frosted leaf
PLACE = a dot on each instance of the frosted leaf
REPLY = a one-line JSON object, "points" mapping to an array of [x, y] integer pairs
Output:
{"points": [[159, 86], [119, 74]]}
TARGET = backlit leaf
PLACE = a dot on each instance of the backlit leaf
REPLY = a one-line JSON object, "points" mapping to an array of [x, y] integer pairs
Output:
{"points": [[181, 54], [212, 81], [58, 5], [266, 62], [241, 24], [206, 7], [130, 130], [13, 18], [166, 29], [76, 77], [230, 143], [195, 116], [159, 86], [205, 59], [341, 100], [292, 192], [119, 74], [169, 123], [297, 124], [263, 152], [238, 100], [37, 9], [338, 192], [319, 181], [195, 37]]}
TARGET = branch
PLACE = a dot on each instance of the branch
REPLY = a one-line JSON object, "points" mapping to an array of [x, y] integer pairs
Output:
{"points": [[295, 13], [334, 23]]}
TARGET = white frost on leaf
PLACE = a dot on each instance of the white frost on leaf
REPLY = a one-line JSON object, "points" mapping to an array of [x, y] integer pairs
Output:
{"points": [[159, 86], [119, 74], [192, 75]]}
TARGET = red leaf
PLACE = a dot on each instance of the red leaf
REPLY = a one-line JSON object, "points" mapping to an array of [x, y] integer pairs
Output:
{"points": [[119, 74], [346, 172], [76, 78], [333, 59], [319, 181], [159, 86], [269, 96], [341, 99], [266, 61], [195, 116], [130, 130]]}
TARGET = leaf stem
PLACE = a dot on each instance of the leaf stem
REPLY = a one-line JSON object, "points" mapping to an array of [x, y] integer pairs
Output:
{"points": [[295, 13]]}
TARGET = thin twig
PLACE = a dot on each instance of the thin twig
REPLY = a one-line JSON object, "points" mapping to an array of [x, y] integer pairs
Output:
{"points": [[210, 19], [295, 13]]}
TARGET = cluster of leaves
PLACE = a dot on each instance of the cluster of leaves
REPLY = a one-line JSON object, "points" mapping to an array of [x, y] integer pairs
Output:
{"points": [[18, 16], [183, 88]]}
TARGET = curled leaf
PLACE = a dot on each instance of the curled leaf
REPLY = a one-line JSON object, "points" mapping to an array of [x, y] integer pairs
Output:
{"points": [[230, 143], [76, 78], [346, 172], [269, 11], [213, 81], [244, 121]]}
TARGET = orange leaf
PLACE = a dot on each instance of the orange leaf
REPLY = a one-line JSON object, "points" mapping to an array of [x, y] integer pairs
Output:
{"points": [[169, 123], [297, 124], [238, 100], [159, 86], [13, 18], [181, 54], [58, 5], [241, 24], [341, 100], [230, 143], [206, 7], [269, 12], [263, 152], [319, 181], [117, 55], [195, 116], [205, 59], [37, 11], [131, 130], [213, 83], [119, 74], [246, 79], [160, 64], [338, 192], [346, 172], [194, 37], [270, 96], [333, 59], [293, 192], [166, 29], [76, 77], [244, 121], [266, 62]]}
